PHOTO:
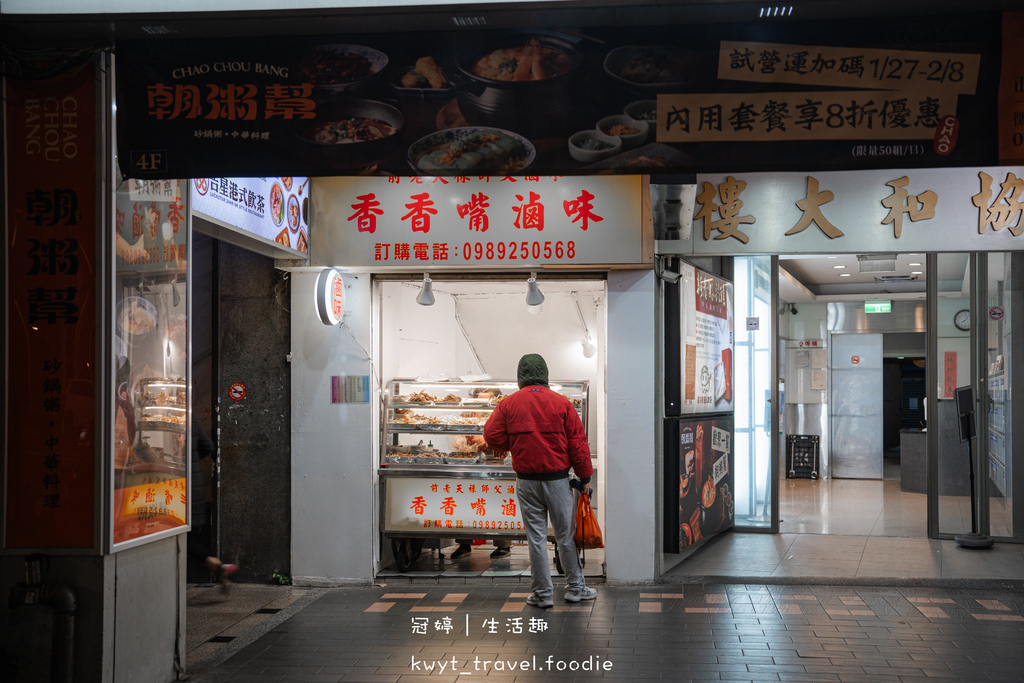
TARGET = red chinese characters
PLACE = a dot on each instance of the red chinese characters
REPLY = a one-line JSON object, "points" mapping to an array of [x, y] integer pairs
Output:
{"points": [[475, 208], [448, 506], [529, 214], [479, 506], [582, 208], [420, 210], [231, 102], [366, 212], [419, 505]]}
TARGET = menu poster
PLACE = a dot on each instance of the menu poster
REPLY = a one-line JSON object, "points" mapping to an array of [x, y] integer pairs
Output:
{"points": [[150, 226], [706, 318], [275, 209], [705, 478], [914, 91]]}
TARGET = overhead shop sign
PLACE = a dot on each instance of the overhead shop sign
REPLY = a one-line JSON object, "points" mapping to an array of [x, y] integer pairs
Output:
{"points": [[273, 209], [963, 209], [637, 100], [416, 222]]}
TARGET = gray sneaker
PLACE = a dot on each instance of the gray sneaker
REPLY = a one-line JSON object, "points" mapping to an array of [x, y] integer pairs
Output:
{"points": [[538, 601], [580, 595]]}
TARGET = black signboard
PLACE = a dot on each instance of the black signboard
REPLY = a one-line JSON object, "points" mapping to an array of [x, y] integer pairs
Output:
{"points": [[881, 93], [965, 413]]}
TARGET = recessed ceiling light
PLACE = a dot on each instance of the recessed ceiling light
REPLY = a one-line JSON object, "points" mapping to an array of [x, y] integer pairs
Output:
{"points": [[845, 274], [838, 267], [915, 264], [831, 257], [916, 272]]}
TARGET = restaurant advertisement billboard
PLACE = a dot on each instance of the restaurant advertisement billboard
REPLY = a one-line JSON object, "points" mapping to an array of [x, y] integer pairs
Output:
{"points": [[273, 209], [916, 91], [706, 339], [699, 480]]}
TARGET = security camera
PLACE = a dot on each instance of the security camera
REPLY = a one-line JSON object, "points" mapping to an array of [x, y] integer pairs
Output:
{"points": [[792, 309]]}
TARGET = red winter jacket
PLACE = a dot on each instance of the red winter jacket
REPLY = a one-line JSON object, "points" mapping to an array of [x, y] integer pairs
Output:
{"points": [[544, 433]]}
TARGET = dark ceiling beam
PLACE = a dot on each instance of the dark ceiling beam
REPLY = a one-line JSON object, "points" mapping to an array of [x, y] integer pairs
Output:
{"points": [[23, 30]]}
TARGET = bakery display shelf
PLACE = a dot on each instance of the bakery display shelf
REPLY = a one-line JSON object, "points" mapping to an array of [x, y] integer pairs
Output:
{"points": [[161, 426]]}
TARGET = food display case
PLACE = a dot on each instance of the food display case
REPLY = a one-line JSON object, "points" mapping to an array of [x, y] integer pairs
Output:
{"points": [[438, 478], [162, 406]]}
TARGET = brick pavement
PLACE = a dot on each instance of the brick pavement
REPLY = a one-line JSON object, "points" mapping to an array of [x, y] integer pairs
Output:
{"points": [[689, 632]]}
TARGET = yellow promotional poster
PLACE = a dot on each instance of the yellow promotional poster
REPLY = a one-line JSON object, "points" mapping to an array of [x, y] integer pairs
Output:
{"points": [[150, 503]]}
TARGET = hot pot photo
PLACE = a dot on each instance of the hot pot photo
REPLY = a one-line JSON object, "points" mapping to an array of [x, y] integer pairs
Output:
{"points": [[522, 83]]}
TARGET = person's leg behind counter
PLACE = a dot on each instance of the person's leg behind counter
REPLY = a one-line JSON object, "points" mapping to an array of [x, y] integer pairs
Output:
{"points": [[559, 498], [533, 508]]}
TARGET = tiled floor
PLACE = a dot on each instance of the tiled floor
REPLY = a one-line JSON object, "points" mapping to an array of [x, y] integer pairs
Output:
{"points": [[676, 632], [437, 566], [849, 560], [851, 590]]}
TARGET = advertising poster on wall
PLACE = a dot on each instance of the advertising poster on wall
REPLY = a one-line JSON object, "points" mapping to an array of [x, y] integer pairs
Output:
{"points": [[705, 478], [51, 302], [706, 338], [151, 346], [917, 91], [276, 209]]}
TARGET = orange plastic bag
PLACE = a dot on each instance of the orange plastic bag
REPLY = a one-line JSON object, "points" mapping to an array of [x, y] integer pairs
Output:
{"points": [[588, 533]]}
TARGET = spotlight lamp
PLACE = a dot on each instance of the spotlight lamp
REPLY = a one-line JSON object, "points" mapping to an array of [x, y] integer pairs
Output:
{"points": [[426, 295], [534, 297], [589, 348]]}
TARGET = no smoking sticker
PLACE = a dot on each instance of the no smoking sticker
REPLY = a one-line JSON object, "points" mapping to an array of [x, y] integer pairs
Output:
{"points": [[236, 391]]}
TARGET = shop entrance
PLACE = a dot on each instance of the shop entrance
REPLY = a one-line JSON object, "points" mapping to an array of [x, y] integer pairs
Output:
{"points": [[852, 357], [445, 360], [864, 380]]}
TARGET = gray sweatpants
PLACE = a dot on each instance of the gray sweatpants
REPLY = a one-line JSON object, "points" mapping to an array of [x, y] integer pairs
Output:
{"points": [[537, 500]]}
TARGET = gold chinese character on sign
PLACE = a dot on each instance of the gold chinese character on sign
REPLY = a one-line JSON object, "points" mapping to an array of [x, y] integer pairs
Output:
{"points": [[1005, 211], [810, 206], [916, 207], [730, 220]]}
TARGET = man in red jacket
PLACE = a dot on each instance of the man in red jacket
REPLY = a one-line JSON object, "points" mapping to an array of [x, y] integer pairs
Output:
{"points": [[545, 435]]}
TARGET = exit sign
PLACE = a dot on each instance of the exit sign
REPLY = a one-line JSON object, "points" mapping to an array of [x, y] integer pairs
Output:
{"points": [[878, 306]]}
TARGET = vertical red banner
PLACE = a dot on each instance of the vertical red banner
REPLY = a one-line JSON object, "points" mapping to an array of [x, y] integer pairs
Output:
{"points": [[949, 374], [51, 309]]}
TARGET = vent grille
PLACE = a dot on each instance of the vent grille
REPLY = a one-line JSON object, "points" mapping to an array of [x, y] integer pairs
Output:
{"points": [[469, 21], [876, 263], [895, 278]]}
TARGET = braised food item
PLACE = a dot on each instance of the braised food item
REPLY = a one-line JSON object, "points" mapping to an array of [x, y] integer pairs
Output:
{"points": [[326, 67], [485, 150], [528, 63], [426, 74], [351, 130], [651, 67], [451, 399], [707, 494], [622, 129], [421, 397]]}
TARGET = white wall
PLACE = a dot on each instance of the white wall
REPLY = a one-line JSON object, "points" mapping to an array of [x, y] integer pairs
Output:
{"points": [[631, 527], [333, 445]]}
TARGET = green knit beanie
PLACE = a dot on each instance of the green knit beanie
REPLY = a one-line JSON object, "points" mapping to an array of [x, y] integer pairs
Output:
{"points": [[532, 370]]}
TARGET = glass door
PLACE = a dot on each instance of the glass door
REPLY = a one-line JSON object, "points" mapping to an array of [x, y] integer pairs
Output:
{"points": [[973, 300], [950, 359], [755, 419], [1003, 277]]}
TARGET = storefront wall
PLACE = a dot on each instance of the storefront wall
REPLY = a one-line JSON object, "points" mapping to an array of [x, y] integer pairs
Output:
{"points": [[334, 446], [335, 538]]}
